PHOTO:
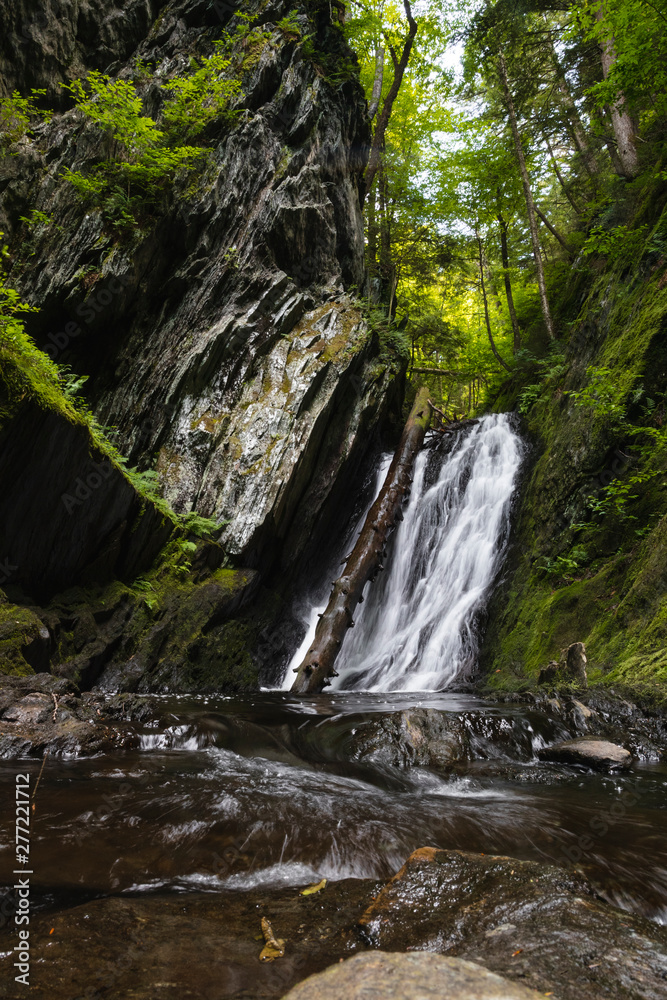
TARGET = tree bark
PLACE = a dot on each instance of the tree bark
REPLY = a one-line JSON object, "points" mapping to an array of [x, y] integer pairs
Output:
{"points": [[505, 257], [621, 119], [400, 65], [496, 353], [366, 557], [528, 194], [377, 82]]}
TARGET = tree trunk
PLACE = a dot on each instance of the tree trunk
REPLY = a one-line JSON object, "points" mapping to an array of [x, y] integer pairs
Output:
{"points": [[372, 230], [554, 232], [400, 65], [528, 194], [486, 310], [559, 176], [377, 82], [504, 254], [621, 119], [366, 557]]}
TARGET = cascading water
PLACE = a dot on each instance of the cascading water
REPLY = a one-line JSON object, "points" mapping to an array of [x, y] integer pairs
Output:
{"points": [[416, 629]]}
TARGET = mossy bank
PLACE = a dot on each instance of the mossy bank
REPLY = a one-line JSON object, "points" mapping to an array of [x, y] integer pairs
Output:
{"points": [[589, 559]]}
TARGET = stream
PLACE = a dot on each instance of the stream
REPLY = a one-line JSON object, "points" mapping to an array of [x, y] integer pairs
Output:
{"points": [[278, 791]]}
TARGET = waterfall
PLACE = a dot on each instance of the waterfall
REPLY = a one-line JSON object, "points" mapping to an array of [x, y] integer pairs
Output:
{"points": [[416, 630]]}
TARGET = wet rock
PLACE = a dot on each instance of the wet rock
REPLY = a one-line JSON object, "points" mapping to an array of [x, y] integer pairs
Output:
{"points": [[132, 946], [407, 976], [528, 921], [44, 713], [417, 737], [30, 710], [590, 752]]}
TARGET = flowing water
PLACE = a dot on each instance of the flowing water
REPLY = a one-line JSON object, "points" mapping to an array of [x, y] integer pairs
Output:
{"points": [[417, 627], [240, 795]]}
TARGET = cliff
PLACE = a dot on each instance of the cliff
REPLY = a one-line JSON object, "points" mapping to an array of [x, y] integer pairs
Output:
{"points": [[215, 317]]}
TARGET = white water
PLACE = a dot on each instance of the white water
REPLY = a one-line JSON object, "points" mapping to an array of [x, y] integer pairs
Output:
{"points": [[416, 630]]}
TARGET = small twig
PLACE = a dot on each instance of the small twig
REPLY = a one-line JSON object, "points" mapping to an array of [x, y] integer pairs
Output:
{"points": [[55, 705], [39, 778]]}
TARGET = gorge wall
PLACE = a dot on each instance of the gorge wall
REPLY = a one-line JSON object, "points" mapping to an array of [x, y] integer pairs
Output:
{"points": [[220, 334], [589, 559]]}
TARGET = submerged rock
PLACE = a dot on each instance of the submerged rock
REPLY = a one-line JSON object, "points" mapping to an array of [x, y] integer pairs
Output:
{"points": [[589, 751], [407, 977]]}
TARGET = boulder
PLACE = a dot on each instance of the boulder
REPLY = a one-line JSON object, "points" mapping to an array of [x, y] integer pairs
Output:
{"points": [[590, 752], [538, 923], [406, 977], [575, 663]]}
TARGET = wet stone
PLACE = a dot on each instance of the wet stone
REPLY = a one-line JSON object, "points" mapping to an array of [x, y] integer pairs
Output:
{"points": [[590, 752], [537, 923], [407, 977]]}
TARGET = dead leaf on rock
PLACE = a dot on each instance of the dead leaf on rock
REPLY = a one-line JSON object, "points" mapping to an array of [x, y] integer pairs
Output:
{"points": [[274, 947], [314, 888]]}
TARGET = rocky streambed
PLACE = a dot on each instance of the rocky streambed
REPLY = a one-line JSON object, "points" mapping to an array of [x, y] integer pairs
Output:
{"points": [[166, 828]]}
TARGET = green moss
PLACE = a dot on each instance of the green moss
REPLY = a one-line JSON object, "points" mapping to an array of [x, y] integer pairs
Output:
{"points": [[617, 603], [18, 627]]}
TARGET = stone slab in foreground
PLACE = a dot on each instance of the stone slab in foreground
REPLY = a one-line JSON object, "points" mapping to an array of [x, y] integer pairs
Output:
{"points": [[420, 974]]}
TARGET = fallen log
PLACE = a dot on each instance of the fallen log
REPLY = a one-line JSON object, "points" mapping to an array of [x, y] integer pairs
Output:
{"points": [[365, 559]]}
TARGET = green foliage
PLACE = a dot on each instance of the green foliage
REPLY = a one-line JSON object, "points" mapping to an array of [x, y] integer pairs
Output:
{"points": [[24, 369], [563, 566], [549, 370], [608, 401], [146, 158], [200, 98], [201, 527], [289, 25], [393, 340], [36, 218], [603, 395], [17, 114], [620, 245], [638, 73]]}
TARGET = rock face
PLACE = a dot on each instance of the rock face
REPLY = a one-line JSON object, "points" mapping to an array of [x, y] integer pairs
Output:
{"points": [[405, 977], [589, 752], [221, 335], [97, 526]]}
